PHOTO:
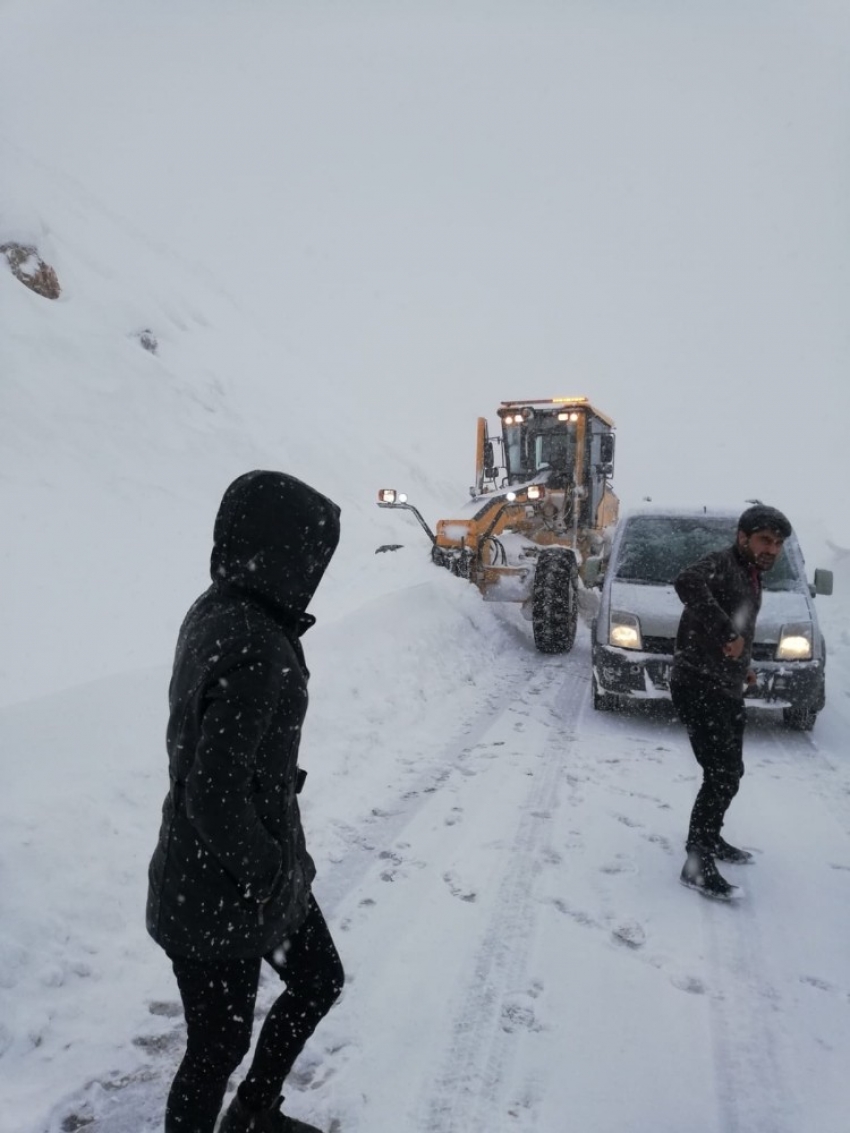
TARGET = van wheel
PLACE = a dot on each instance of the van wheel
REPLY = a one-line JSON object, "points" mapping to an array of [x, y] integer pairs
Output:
{"points": [[799, 719], [554, 603]]}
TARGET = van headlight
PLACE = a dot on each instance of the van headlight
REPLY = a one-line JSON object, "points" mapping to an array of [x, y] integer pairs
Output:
{"points": [[624, 631], [795, 642]]}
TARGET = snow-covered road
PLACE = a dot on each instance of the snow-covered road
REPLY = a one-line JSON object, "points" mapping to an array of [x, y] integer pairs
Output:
{"points": [[500, 867]]}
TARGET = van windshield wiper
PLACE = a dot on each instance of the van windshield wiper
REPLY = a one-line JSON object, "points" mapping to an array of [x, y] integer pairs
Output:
{"points": [[643, 580]]}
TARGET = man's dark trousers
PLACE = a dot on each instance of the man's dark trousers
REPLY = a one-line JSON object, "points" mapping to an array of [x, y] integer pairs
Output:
{"points": [[715, 726]]}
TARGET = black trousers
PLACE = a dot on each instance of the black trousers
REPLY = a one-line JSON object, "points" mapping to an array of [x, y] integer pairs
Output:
{"points": [[715, 726], [218, 1002]]}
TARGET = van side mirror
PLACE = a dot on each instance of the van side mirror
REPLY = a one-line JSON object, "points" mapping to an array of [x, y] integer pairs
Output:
{"points": [[823, 582]]}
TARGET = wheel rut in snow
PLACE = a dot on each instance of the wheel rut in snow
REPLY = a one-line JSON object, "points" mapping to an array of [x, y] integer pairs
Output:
{"points": [[383, 827], [481, 1043], [753, 1093], [756, 1060]]}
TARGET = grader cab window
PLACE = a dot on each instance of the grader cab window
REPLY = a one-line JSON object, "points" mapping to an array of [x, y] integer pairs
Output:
{"points": [[543, 444], [555, 450], [515, 453]]}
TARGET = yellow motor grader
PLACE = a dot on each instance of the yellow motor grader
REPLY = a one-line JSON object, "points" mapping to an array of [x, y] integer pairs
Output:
{"points": [[540, 505]]}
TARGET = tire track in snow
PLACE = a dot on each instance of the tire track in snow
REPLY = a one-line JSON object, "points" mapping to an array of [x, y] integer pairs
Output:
{"points": [[755, 1054], [830, 780], [481, 1047], [345, 877], [753, 1091]]}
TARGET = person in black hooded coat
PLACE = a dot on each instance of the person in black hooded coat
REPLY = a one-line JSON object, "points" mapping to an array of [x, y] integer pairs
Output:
{"points": [[230, 878]]}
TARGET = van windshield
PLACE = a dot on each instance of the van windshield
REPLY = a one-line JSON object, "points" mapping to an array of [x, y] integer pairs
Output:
{"points": [[655, 549]]}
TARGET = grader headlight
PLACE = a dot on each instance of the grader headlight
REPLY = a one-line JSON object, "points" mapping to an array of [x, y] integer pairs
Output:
{"points": [[517, 416], [391, 496], [536, 492]]}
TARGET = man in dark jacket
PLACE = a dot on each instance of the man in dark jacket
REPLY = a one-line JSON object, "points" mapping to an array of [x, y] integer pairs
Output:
{"points": [[711, 668], [230, 877]]}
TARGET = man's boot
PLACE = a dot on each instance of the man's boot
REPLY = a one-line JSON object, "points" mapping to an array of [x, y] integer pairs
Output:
{"points": [[723, 852], [239, 1119], [699, 872]]}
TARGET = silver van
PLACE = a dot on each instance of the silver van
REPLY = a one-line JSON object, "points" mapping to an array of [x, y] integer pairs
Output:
{"points": [[634, 630]]}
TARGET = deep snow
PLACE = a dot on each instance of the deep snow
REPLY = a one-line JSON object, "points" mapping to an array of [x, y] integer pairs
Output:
{"points": [[351, 231]]}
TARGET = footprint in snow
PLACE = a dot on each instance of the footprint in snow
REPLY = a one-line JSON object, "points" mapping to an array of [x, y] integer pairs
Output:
{"points": [[395, 869], [660, 840], [629, 933], [630, 822], [816, 981], [169, 1009], [160, 1044], [518, 1015], [457, 890], [621, 865], [311, 1073], [578, 915], [693, 985], [121, 1101]]}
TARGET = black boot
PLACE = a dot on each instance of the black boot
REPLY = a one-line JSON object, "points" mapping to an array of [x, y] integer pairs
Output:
{"points": [[699, 872], [239, 1119], [731, 854]]}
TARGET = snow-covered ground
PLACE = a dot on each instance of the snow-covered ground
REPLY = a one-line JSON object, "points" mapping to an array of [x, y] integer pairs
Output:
{"points": [[351, 230], [500, 867]]}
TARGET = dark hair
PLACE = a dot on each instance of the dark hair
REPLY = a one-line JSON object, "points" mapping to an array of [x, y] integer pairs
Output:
{"points": [[761, 517]]}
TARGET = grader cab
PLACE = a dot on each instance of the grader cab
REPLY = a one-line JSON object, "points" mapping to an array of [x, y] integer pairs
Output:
{"points": [[534, 527]]}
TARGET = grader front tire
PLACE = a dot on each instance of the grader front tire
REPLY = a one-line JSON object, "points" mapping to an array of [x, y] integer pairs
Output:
{"points": [[554, 604]]}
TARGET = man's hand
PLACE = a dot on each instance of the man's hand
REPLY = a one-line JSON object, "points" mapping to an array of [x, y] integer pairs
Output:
{"points": [[733, 649]]}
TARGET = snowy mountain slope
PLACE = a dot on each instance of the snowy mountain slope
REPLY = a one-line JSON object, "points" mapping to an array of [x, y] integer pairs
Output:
{"points": [[115, 457]]}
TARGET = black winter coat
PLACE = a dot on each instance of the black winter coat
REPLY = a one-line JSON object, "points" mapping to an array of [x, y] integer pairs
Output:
{"points": [[722, 597], [230, 876]]}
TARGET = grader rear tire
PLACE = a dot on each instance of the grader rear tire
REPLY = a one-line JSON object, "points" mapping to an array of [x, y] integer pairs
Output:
{"points": [[554, 603]]}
